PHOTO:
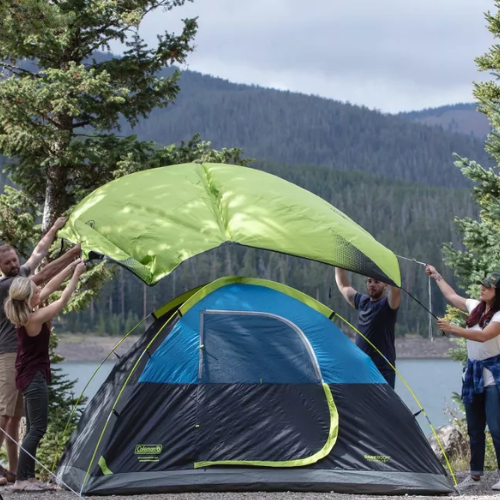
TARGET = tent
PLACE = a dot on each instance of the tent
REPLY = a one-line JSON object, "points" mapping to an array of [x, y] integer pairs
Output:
{"points": [[247, 384]]}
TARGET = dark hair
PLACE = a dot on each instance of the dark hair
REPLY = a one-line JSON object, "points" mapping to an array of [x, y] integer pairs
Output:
{"points": [[477, 315], [5, 249]]}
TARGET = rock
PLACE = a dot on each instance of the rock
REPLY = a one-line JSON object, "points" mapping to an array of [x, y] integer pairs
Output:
{"points": [[453, 441]]}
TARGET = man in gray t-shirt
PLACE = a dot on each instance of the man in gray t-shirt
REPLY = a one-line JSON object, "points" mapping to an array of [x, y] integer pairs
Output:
{"points": [[11, 401]]}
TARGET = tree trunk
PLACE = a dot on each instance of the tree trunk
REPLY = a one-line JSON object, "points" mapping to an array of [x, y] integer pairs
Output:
{"points": [[52, 201], [54, 197], [57, 174]]}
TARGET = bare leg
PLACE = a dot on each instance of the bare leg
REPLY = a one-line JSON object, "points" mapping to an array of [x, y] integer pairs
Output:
{"points": [[12, 449], [3, 425]]}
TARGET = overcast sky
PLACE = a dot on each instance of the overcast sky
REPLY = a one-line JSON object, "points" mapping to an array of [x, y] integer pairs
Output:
{"points": [[392, 55]]}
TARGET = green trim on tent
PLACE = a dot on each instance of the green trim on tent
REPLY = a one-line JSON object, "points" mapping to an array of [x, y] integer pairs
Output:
{"points": [[313, 304], [229, 280], [301, 462], [104, 467], [195, 295], [119, 397], [175, 302], [152, 221]]}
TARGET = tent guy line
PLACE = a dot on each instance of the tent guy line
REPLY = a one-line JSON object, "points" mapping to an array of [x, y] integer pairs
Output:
{"points": [[75, 407], [429, 290], [422, 410], [40, 463]]}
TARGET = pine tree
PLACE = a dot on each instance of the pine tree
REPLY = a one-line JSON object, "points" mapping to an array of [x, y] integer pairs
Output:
{"points": [[480, 237], [60, 109], [59, 105]]}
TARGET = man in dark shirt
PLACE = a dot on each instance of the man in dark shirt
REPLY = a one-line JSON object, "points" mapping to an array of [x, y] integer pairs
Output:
{"points": [[377, 317], [11, 401]]}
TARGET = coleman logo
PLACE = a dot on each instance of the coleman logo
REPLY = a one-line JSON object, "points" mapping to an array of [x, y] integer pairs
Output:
{"points": [[148, 449]]}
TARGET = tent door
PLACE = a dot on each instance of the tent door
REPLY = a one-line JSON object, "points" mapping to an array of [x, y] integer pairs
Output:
{"points": [[261, 399]]}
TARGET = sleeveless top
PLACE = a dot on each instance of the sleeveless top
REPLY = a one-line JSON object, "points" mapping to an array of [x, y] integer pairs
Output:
{"points": [[32, 356]]}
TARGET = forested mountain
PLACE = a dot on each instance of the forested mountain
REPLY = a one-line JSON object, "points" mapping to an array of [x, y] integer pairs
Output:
{"points": [[413, 220], [463, 118], [293, 128], [393, 177]]}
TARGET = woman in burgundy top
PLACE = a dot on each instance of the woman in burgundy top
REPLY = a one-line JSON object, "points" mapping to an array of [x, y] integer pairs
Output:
{"points": [[32, 363]]}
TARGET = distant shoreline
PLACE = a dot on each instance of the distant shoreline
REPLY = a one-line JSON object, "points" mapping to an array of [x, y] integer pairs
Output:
{"points": [[94, 348]]}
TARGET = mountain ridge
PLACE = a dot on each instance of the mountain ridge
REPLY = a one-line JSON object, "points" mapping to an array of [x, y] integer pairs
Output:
{"points": [[292, 128], [463, 118]]}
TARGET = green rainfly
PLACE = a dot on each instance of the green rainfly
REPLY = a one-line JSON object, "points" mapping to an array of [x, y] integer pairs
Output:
{"points": [[152, 221]]}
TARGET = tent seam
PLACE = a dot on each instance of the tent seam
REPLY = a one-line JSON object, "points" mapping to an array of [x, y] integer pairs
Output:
{"points": [[216, 201]]}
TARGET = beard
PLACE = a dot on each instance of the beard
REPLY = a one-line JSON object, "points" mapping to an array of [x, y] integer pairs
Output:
{"points": [[13, 272], [376, 294]]}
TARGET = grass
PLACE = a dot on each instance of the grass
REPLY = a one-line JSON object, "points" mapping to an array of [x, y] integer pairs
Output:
{"points": [[460, 462]]}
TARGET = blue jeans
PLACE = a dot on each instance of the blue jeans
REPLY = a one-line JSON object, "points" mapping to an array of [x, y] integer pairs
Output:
{"points": [[485, 409]]}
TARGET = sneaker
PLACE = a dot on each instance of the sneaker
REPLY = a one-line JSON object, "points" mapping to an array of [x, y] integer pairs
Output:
{"points": [[467, 484], [496, 486]]}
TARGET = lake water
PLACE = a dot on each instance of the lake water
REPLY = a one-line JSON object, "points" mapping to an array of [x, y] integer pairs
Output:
{"points": [[433, 381]]}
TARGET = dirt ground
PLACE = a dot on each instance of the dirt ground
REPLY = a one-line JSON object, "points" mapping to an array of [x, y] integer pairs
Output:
{"points": [[479, 493]]}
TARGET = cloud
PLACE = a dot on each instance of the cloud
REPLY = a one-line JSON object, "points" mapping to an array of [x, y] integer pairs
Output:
{"points": [[388, 54]]}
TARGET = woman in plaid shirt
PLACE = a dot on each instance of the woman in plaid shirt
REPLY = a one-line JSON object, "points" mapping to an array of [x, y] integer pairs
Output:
{"points": [[481, 377]]}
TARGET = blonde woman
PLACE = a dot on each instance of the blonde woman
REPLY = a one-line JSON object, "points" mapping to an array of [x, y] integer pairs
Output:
{"points": [[32, 362]]}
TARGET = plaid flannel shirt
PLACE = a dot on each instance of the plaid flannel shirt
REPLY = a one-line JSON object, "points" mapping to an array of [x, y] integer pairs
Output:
{"points": [[473, 381]]}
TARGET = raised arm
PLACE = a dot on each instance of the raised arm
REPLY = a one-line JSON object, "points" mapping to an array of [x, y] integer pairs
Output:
{"points": [[490, 332], [449, 294], [56, 266], [45, 314], [344, 286], [394, 297], [57, 280], [43, 246]]}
